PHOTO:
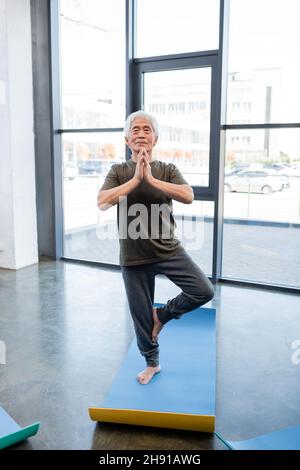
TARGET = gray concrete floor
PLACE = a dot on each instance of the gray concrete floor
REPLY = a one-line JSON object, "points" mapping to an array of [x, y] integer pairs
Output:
{"points": [[67, 329]]}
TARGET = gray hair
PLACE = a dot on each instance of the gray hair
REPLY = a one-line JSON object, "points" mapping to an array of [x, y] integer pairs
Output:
{"points": [[140, 114]]}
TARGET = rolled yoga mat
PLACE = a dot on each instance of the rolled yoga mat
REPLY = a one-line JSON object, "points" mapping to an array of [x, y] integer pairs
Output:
{"points": [[182, 395]]}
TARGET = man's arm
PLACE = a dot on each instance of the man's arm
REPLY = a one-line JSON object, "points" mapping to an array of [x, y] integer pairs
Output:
{"points": [[180, 192], [110, 197]]}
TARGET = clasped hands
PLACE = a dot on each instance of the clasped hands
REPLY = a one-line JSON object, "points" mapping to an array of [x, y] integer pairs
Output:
{"points": [[143, 168]]}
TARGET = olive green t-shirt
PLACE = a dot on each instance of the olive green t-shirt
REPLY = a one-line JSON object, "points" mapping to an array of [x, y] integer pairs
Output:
{"points": [[145, 218]]}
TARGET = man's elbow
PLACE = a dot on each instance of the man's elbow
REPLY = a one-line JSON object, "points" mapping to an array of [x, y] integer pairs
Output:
{"points": [[103, 206], [189, 196]]}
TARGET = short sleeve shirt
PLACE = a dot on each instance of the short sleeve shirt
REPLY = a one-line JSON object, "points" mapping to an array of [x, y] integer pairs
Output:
{"points": [[145, 217]]}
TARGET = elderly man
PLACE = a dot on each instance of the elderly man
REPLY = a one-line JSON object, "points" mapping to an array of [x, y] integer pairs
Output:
{"points": [[144, 185]]}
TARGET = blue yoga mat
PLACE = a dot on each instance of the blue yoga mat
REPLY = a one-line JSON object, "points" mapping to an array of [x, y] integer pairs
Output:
{"points": [[186, 383], [7, 424], [11, 432], [284, 439]]}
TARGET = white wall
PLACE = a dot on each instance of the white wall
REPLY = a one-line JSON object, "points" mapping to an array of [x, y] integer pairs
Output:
{"points": [[18, 230]]}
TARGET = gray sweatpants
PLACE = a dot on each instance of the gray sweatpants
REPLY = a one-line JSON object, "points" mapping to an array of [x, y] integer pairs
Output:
{"points": [[139, 283]]}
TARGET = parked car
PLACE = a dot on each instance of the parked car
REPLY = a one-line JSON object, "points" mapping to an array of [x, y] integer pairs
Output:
{"points": [[254, 181], [277, 166], [232, 172], [282, 171], [284, 179], [70, 171]]}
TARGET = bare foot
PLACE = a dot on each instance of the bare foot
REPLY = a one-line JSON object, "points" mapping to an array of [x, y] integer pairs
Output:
{"points": [[146, 375], [157, 327]]}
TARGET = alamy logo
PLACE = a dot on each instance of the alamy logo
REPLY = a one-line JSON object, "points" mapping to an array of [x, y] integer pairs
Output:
{"points": [[296, 354], [2, 352], [139, 221]]}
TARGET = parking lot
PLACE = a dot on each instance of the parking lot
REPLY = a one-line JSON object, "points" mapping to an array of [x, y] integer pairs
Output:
{"points": [[80, 204]]}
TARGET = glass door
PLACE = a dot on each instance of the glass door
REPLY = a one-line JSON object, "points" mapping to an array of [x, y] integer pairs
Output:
{"points": [[182, 100]]}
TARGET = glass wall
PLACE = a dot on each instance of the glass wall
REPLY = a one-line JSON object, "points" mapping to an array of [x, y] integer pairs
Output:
{"points": [[92, 155], [172, 26], [93, 97], [92, 43], [263, 62], [262, 175], [262, 161], [262, 207]]}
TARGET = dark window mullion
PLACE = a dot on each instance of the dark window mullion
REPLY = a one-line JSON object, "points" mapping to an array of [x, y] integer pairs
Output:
{"points": [[89, 130], [261, 126]]}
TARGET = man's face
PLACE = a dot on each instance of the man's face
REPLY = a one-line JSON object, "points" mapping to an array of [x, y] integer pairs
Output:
{"points": [[141, 136]]}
